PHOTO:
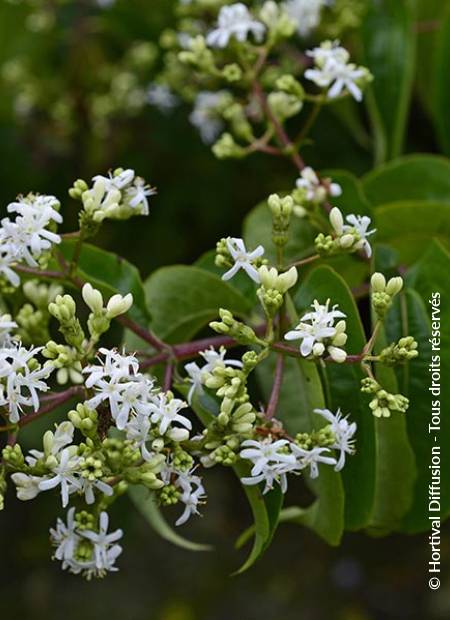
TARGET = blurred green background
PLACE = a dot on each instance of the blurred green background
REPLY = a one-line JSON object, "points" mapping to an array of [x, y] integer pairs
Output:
{"points": [[73, 80]]}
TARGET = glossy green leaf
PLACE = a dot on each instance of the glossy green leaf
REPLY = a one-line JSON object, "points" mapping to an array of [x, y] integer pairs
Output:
{"points": [[301, 393], [258, 230], [389, 43], [430, 275], [430, 13], [344, 380], [111, 274], [265, 508], [352, 199], [395, 463], [144, 500], [182, 300], [441, 86], [410, 226], [411, 178]]}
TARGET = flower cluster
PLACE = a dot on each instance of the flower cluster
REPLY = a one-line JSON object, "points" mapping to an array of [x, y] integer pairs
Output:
{"points": [[347, 237], [118, 196], [235, 21], [30, 235], [81, 548], [334, 72], [320, 334], [272, 459], [21, 377]]}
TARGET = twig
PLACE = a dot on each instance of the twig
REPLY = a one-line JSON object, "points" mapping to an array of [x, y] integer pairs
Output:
{"points": [[59, 399], [276, 388], [168, 376]]}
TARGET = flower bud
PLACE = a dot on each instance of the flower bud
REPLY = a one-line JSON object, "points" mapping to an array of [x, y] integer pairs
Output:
{"points": [[378, 282], [394, 286], [336, 220], [118, 305], [92, 298]]}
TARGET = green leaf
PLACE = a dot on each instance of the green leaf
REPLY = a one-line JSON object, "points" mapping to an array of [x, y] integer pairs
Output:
{"points": [[430, 275], [183, 300], [411, 178], [395, 462], [389, 43], [301, 393], [410, 226], [144, 500], [265, 508], [352, 199], [258, 230], [344, 380], [111, 274], [429, 14], [441, 90]]}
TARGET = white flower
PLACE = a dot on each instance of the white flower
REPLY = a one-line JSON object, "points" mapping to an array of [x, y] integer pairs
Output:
{"points": [[6, 325], [343, 432], [312, 458], [138, 194], [314, 189], [164, 411], [234, 20], [360, 224], [66, 539], [213, 359], [119, 195], [334, 72], [305, 13], [269, 464], [137, 431], [87, 488], [192, 494], [27, 487], [160, 96], [205, 116], [242, 259], [19, 385], [7, 260], [27, 237], [114, 365], [65, 470], [316, 330], [105, 550]]}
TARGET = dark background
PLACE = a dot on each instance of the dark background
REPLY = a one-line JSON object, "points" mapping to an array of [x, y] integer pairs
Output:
{"points": [[200, 200]]}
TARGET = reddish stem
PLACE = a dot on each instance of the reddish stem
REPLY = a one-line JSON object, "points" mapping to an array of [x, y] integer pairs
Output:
{"points": [[276, 388], [59, 399]]}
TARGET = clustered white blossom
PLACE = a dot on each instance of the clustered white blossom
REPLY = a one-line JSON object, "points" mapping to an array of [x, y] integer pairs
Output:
{"points": [[81, 550], [306, 14], [197, 375], [334, 72], [272, 459], [192, 491], [21, 377], [353, 235], [29, 235], [205, 115], [319, 333], [235, 21], [313, 188], [161, 97], [118, 196]]}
